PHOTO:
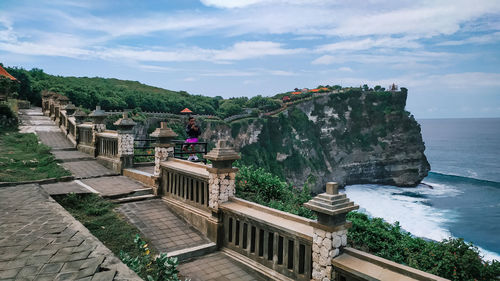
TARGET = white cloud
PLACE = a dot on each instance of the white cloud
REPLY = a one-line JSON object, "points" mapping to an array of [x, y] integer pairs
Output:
{"points": [[369, 43], [326, 59], [230, 3], [482, 39], [345, 69]]}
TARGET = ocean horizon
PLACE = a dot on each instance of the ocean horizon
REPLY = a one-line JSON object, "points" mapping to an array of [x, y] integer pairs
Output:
{"points": [[461, 195]]}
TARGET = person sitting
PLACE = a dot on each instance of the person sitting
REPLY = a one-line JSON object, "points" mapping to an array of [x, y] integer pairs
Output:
{"points": [[193, 131]]}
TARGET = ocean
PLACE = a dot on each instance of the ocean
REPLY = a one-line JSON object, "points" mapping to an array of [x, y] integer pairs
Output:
{"points": [[464, 200]]}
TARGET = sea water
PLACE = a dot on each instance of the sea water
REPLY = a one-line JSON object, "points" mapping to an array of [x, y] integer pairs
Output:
{"points": [[461, 195]]}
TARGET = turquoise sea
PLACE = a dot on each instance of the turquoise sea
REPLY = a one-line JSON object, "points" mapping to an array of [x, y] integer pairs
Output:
{"points": [[464, 197]]}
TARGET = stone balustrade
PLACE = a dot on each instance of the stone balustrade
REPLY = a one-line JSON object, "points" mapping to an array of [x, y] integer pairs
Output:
{"points": [[281, 246]]}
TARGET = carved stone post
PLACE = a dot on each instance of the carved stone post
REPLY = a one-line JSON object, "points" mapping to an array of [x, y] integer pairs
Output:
{"points": [[70, 110], [125, 131], [61, 102], [79, 118], [221, 184], [98, 116], [164, 147], [330, 231], [45, 102]]}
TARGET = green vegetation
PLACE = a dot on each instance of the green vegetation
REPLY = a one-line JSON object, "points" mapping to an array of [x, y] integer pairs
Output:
{"points": [[111, 94], [98, 216], [160, 268], [453, 259], [22, 158], [259, 186]]}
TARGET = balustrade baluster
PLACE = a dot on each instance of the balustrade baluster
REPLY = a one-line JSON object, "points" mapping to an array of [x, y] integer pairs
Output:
{"points": [[275, 249], [284, 252]]}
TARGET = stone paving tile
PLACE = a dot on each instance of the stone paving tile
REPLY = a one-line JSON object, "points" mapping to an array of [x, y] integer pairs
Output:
{"points": [[64, 188], [164, 229], [39, 240], [87, 169], [216, 266], [71, 155], [113, 186], [54, 139], [147, 169]]}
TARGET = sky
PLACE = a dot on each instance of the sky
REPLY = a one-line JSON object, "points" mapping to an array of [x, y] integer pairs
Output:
{"points": [[447, 53]]}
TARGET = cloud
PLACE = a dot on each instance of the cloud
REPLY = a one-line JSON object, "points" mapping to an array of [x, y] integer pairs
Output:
{"points": [[230, 3], [482, 39], [369, 43], [423, 19], [345, 69], [326, 59]]}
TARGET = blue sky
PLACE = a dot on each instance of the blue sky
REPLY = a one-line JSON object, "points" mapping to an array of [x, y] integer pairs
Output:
{"points": [[447, 53]]}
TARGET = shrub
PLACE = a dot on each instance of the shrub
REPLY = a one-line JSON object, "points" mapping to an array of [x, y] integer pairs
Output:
{"points": [[160, 268], [452, 258], [259, 186]]}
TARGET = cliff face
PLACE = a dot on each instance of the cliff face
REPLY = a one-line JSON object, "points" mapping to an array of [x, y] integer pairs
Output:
{"points": [[354, 137]]}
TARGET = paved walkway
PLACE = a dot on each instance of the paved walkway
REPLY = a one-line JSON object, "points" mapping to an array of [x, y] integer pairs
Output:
{"points": [[216, 267], [39, 240], [114, 186], [168, 233], [165, 230]]}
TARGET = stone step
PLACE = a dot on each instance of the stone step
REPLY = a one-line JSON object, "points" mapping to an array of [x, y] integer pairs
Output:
{"points": [[193, 252], [134, 198], [140, 176], [135, 193]]}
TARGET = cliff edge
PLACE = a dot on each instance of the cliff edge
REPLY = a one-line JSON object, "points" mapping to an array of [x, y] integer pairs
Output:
{"points": [[353, 137]]}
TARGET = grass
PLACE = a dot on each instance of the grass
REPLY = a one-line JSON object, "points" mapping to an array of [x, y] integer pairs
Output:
{"points": [[98, 216], [22, 158]]}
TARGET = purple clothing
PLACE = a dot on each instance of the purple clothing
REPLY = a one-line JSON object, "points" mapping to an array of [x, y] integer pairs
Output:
{"points": [[192, 140]]}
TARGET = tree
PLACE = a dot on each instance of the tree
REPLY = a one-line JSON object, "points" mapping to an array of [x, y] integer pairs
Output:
{"points": [[377, 88]]}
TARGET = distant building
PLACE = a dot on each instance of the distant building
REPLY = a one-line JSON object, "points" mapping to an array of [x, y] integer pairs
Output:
{"points": [[393, 87], [4, 73]]}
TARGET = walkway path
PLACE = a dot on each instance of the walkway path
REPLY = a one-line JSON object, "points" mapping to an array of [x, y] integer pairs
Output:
{"points": [[169, 233], [39, 240]]}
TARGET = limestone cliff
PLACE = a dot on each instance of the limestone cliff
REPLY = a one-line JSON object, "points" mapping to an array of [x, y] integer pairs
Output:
{"points": [[353, 137]]}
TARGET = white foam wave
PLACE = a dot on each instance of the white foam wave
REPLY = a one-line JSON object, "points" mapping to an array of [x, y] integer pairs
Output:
{"points": [[412, 213], [488, 255], [414, 216], [437, 189]]}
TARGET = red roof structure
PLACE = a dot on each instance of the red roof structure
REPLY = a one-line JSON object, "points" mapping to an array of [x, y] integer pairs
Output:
{"points": [[296, 93], [4, 72], [186, 110], [314, 90]]}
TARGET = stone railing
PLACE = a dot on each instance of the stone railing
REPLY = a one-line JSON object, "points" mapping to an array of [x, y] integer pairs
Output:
{"points": [[85, 134], [187, 185], [72, 128], [63, 121], [280, 241], [107, 144]]}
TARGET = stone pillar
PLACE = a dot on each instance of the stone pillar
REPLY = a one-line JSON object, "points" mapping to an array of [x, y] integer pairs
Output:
{"points": [[79, 118], [70, 109], [45, 102], [125, 131], [330, 230], [221, 183], [62, 101], [98, 116], [164, 147]]}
